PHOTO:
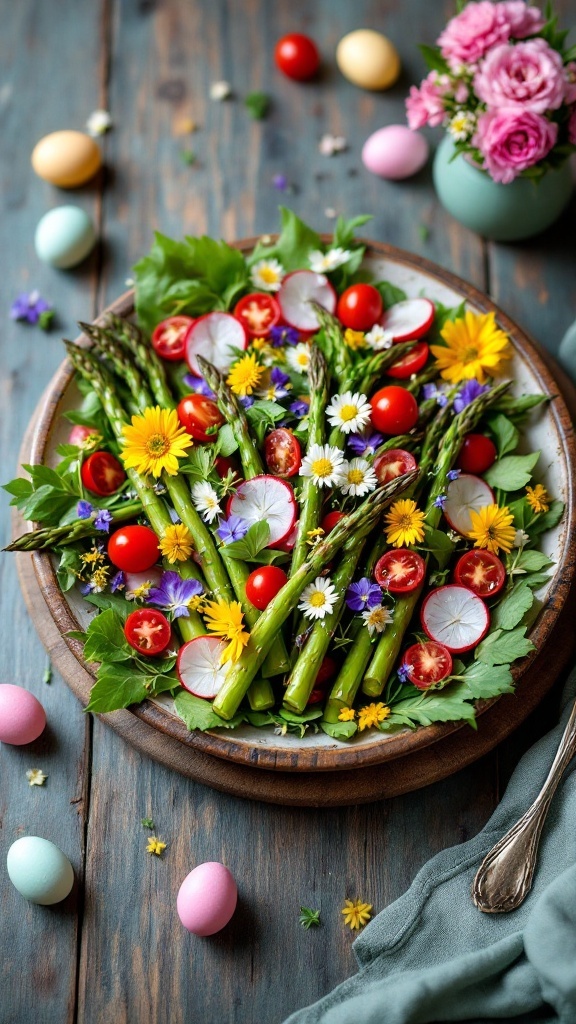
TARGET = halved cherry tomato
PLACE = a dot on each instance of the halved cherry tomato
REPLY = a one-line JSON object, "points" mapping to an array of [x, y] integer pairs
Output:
{"points": [[427, 663], [400, 571], [169, 337], [360, 307], [148, 631], [259, 312], [330, 520], [477, 454], [263, 584], [393, 463], [282, 453], [481, 571], [133, 548], [224, 465], [296, 56], [102, 474], [197, 413], [412, 363], [394, 410]]}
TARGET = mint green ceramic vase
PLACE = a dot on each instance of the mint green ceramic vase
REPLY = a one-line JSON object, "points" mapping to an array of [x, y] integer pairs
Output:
{"points": [[503, 213]]}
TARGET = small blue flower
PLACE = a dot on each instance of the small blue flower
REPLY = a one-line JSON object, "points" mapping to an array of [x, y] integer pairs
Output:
{"points": [[175, 594], [199, 385], [103, 520], [363, 594], [453, 474], [174, 515], [30, 307], [432, 391], [440, 501], [299, 408], [284, 336], [471, 390], [403, 673], [231, 529], [247, 401], [365, 444], [118, 582], [84, 510]]}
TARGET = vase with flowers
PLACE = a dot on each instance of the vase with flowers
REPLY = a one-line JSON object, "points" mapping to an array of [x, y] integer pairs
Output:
{"points": [[502, 83]]}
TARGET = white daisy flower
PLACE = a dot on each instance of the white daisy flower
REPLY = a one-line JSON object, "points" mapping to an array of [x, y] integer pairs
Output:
{"points": [[330, 213], [98, 123], [350, 412], [520, 539], [205, 500], [378, 338], [220, 90], [298, 357], [323, 463], [330, 144], [376, 619], [462, 125], [318, 598], [357, 478], [266, 275], [324, 262]]}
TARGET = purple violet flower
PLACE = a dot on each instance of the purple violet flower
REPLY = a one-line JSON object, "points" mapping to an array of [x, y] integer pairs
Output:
{"points": [[280, 181], [231, 529], [284, 336], [365, 444], [31, 307], [118, 582], [440, 501], [471, 390], [175, 594], [432, 391], [103, 520], [247, 401], [363, 594], [403, 673], [299, 408], [174, 515], [278, 382], [84, 510], [199, 385], [453, 474]]}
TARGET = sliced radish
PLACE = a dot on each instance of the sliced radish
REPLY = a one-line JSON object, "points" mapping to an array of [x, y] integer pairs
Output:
{"points": [[456, 617], [198, 666], [134, 580], [266, 499], [297, 291], [466, 494], [214, 336], [408, 319], [289, 544]]}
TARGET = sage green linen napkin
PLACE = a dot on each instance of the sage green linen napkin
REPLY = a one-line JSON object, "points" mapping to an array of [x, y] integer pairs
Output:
{"points": [[432, 956]]}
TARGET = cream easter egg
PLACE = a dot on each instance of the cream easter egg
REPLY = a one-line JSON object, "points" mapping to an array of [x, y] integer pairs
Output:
{"points": [[368, 59], [66, 159], [22, 717], [39, 870], [207, 898], [395, 152], [64, 236]]}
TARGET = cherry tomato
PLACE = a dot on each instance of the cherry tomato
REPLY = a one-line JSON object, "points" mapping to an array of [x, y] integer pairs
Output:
{"points": [[360, 307], [148, 631], [263, 584], [477, 454], [427, 663], [282, 452], [330, 520], [197, 413], [169, 337], [394, 410], [393, 463], [316, 696], [224, 465], [133, 548], [102, 474], [481, 571], [400, 571], [259, 312], [79, 433], [326, 672], [412, 363], [297, 56]]}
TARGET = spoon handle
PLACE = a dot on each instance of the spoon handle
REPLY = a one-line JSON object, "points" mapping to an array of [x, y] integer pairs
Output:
{"points": [[505, 876]]}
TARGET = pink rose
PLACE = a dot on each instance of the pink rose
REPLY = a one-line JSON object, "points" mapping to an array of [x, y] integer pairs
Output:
{"points": [[469, 35], [570, 95], [522, 19], [511, 139], [425, 105], [572, 127], [528, 75]]}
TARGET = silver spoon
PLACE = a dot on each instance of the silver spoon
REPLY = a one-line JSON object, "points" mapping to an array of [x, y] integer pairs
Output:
{"points": [[504, 877]]}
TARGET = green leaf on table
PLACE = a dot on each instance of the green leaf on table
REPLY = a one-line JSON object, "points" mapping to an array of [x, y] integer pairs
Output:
{"points": [[484, 681], [293, 246], [506, 435], [512, 609], [448, 705], [117, 686], [439, 545], [339, 730], [503, 647], [257, 104], [257, 537], [512, 472], [105, 640], [391, 293], [226, 442]]}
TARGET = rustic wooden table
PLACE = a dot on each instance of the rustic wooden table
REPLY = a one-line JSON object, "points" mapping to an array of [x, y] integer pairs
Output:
{"points": [[114, 950]]}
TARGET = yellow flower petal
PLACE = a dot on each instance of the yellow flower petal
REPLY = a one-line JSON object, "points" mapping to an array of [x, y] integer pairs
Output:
{"points": [[404, 524], [492, 528], [474, 344], [154, 441]]}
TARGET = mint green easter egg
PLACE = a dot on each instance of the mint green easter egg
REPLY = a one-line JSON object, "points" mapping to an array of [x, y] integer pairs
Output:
{"points": [[64, 237], [39, 870]]}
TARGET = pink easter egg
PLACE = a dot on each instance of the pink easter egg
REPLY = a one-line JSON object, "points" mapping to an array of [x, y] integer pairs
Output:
{"points": [[207, 898], [395, 152], [22, 717]]}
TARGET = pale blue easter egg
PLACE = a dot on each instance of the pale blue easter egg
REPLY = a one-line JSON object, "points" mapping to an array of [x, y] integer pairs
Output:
{"points": [[64, 236], [39, 870]]}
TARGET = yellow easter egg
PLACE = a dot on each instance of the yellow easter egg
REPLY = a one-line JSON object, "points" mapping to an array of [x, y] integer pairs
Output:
{"points": [[368, 59], [66, 159]]}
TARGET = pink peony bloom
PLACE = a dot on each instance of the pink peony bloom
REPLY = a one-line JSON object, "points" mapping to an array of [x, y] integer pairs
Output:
{"points": [[522, 19], [570, 95], [469, 35], [511, 139], [572, 127], [528, 75], [425, 105]]}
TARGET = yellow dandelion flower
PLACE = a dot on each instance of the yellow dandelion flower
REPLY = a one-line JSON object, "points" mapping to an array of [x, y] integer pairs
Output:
{"points": [[92, 557], [154, 442], [404, 524], [371, 715], [538, 498], [176, 544], [141, 592], [356, 913], [99, 579], [313, 536], [225, 619], [347, 715], [245, 375], [155, 846], [354, 339], [492, 528], [259, 343], [475, 347]]}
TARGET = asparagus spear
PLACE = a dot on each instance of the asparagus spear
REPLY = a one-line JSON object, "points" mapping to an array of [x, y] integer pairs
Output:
{"points": [[339, 355], [61, 536], [359, 522], [234, 414], [310, 493]]}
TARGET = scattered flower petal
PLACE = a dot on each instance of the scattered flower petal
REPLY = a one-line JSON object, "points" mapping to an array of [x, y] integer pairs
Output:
{"points": [[99, 123], [155, 846], [356, 913], [331, 144], [36, 777], [220, 91]]}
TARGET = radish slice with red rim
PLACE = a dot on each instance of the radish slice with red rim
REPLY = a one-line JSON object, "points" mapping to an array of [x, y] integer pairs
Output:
{"points": [[297, 291], [456, 617], [467, 493], [289, 544], [215, 336], [266, 499], [198, 666], [408, 319], [427, 663]]}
